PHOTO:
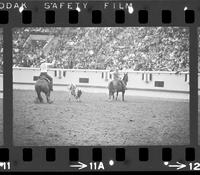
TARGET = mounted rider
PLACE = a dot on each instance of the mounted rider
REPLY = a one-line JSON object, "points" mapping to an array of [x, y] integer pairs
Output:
{"points": [[117, 77], [44, 68]]}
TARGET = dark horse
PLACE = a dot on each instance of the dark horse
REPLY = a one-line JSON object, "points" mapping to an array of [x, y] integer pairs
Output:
{"points": [[118, 86], [42, 85]]}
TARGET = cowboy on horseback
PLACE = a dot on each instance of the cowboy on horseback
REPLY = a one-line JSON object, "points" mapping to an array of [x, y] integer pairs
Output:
{"points": [[117, 77], [43, 70]]}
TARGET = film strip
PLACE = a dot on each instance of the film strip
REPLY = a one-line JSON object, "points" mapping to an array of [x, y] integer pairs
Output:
{"points": [[80, 55]]}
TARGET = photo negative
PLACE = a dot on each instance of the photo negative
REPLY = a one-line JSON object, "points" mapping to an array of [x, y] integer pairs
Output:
{"points": [[1, 87], [199, 85], [101, 86]]}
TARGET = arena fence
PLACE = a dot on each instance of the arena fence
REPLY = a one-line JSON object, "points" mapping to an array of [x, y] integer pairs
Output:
{"points": [[140, 83], [199, 83]]}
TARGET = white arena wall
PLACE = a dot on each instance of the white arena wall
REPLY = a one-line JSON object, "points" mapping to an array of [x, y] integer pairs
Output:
{"points": [[140, 83], [198, 83]]}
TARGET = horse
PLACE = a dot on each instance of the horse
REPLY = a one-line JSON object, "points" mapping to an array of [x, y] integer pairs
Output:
{"points": [[118, 86], [42, 85]]}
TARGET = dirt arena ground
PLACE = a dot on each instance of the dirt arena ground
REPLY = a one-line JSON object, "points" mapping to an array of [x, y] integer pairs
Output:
{"points": [[199, 120], [97, 121], [1, 121]]}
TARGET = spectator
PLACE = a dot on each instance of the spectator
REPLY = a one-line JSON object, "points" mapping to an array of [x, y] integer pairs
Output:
{"points": [[151, 48]]}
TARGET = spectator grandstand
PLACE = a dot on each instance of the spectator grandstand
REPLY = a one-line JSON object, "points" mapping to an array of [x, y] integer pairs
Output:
{"points": [[134, 48], [1, 52]]}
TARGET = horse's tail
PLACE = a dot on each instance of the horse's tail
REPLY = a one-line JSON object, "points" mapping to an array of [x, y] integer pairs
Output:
{"points": [[110, 85], [37, 87], [37, 90], [111, 88]]}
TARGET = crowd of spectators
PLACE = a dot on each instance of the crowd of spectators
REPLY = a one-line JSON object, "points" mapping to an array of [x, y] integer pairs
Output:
{"points": [[139, 48], [1, 54]]}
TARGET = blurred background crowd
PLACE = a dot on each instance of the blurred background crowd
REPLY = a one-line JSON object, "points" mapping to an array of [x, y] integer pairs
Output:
{"points": [[130, 48], [1, 52]]}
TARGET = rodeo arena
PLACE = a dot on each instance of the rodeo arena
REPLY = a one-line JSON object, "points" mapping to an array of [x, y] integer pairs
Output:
{"points": [[1, 88], [85, 64]]}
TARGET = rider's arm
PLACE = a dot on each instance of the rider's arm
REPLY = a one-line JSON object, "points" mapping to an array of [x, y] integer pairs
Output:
{"points": [[51, 64]]}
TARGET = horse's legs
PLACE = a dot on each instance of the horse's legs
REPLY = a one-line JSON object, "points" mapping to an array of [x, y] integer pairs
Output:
{"points": [[123, 96], [111, 94], [48, 97], [39, 96], [117, 95]]}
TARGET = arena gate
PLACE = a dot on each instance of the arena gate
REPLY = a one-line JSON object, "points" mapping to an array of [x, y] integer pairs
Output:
{"points": [[140, 83]]}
